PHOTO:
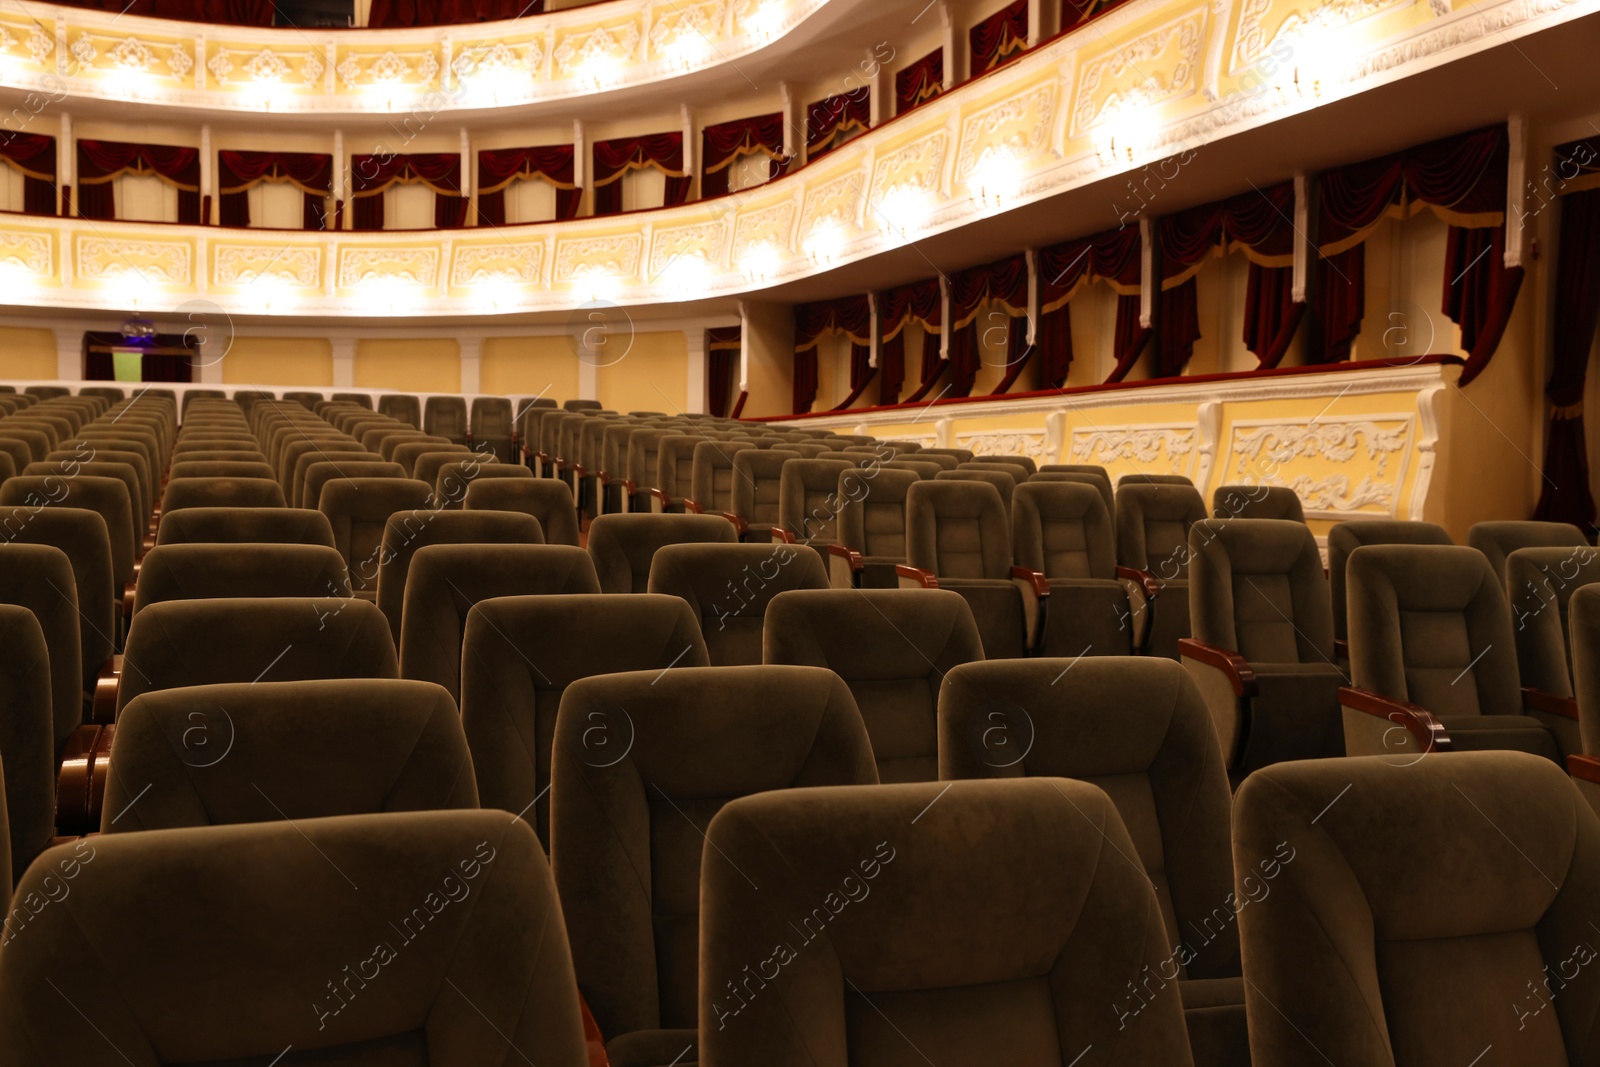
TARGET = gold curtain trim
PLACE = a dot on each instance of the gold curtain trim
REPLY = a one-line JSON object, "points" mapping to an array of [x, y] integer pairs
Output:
{"points": [[826, 330], [1567, 411], [724, 346], [529, 175], [1581, 183], [927, 327], [1009, 310], [746, 149], [633, 165], [401, 180], [14, 165], [280, 178], [114, 175], [1404, 208]]}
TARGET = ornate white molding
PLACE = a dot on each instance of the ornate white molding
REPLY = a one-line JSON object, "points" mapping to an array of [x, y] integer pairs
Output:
{"points": [[243, 264]]}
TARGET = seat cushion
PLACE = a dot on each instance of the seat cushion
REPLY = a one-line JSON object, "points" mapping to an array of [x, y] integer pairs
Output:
{"points": [[1213, 1010], [1295, 716], [997, 609], [653, 1048], [1514, 733]]}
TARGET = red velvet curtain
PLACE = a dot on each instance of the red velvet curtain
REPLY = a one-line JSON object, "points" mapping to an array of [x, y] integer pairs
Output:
{"points": [[723, 344], [228, 12], [1112, 255], [1075, 13], [836, 114], [1463, 179], [920, 82], [721, 146], [499, 167], [1261, 224], [310, 172], [439, 171], [613, 159], [921, 302], [1567, 495], [999, 38], [101, 162], [446, 12], [1005, 281], [34, 154], [850, 315]]}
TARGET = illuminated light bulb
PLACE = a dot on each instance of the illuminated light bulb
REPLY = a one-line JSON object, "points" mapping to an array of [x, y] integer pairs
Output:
{"points": [[765, 22], [1128, 129], [688, 49], [15, 278], [387, 296], [905, 211], [497, 293], [690, 273], [996, 178], [271, 291], [599, 284], [825, 243], [601, 71], [760, 261]]}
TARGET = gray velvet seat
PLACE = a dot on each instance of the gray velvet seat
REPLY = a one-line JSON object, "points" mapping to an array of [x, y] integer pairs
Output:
{"points": [[408, 532], [729, 588], [757, 482], [1398, 908], [205, 571], [1497, 540], [27, 743], [446, 581], [492, 427], [1432, 652], [38, 578], [1541, 583], [546, 499], [1061, 529], [1138, 729], [454, 478], [1153, 521], [223, 469], [520, 653], [1345, 537], [400, 406], [288, 526], [628, 828], [623, 546], [1256, 502], [1583, 616], [107, 497], [358, 511], [1000, 928], [808, 501], [872, 528], [712, 481], [221, 493], [460, 982], [893, 648]]}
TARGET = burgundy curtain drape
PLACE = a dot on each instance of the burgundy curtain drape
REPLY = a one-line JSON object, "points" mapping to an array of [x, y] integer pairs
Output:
{"points": [[1075, 13], [920, 82], [102, 162], [920, 302], [1004, 281], [1112, 256], [311, 173], [999, 38], [1567, 495], [722, 358], [721, 146], [1259, 223], [836, 114], [34, 154], [850, 315], [228, 12], [615, 158], [444, 12], [1463, 180], [371, 175], [499, 167]]}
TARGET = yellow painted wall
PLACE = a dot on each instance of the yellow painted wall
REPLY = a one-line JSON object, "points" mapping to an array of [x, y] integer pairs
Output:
{"points": [[27, 353], [301, 361], [420, 365], [530, 366], [652, 376]]}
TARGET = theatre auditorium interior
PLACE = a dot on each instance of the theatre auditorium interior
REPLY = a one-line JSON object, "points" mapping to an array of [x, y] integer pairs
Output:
{"points": [[799, 533]]}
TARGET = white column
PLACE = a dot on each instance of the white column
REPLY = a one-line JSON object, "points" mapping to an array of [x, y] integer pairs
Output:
{"points": [[580, 165], [471, 364], [1516, 186], [211, 359], [952, 54], [339, 166], [691, 142], [344, 362], [1147, 271], [469, 180], [66, 159], [948, 327], [1035, 22], [791, 134], [874, 89], [1302, 236], [69, 353], [208, 177], [694, 402], [872, 329], [1033, 296], [744, 350]]}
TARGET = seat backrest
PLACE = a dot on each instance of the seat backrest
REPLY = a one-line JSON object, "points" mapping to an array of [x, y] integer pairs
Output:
{"points": [[1153, 520], [409, 452], [675, 463], [872, 511], [623, 546], [455, 878], [205, 468], [491, 417], [1154, 479], [450, 485], [728, 588], [757, 477], [1256, 587], [254, 639], [1257, 502], [958, 529], [808, 504], [204, 571], [644, 456], [1345, 537], [409, 531], [298, 456], [1137, 728], [1019, 473], [445, 416], [581, 405], [1497, 540], [548, 500], [102, 467], [711, 485], [519, 655], [359, 509], [214, 755], [921, 468], [1498, 857], [1584, 613], [221, 493], [700, 737], [27, 742], [1429, 624], [305, 397], [108, 497], [892, 647], [360, 400], [81, 535], [1063, 529], [407, 409], [39, 579], [1541, 583], [447, 580], [286, 526], [1083, 919]]}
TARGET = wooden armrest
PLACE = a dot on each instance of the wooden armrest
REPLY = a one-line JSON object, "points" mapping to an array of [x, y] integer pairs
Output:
{"points": [[740, 527], [923, 578], [468, 436], [693, 507], [1341, 649], [1235, 666], [542, 457], [661, 495], [1419, 722], [1143, 579], [856, 560], [81, 787], [1547, 702], [103, 708], [580, 470], [629, 486], [129, 593], [1585, 767], [1036, 579]]}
